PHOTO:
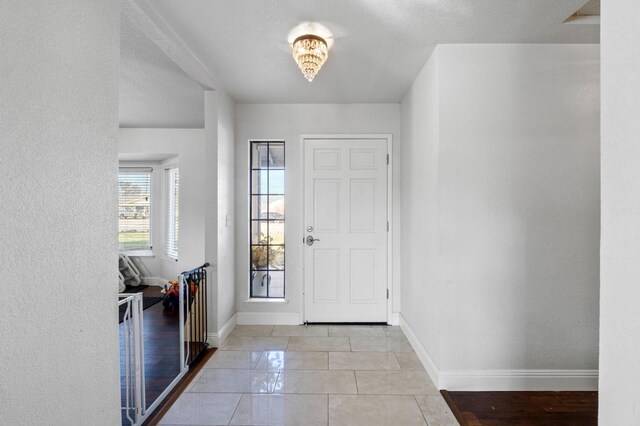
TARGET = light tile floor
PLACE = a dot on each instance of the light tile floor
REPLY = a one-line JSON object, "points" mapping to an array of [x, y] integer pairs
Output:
{"points": [[314, 375]]}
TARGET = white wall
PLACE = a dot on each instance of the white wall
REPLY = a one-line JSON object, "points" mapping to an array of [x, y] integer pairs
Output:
{"points": [[619, 394], [210, 195], [517, 212], [58, 127], [188, 145], [226, 209], [219, 229], [421, 304], [288, 122]]}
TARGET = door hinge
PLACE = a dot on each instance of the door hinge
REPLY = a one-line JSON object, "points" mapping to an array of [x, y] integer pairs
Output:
{"points": [[387, 159], [387, 293], [387, 226]]}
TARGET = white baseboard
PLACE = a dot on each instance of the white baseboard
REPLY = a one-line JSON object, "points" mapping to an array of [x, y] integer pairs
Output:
{"points": [[268, 318], [154, 281], [423, 355], [217, 339], [519, 380], [395, 318], [501, 380]]}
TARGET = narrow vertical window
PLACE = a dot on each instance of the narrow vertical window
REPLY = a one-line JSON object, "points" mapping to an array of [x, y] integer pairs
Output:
{"points": [[172, 186], [267, 251], [134, 209]]}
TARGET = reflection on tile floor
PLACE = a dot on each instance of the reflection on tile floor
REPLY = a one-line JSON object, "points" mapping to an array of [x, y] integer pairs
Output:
{"points": [[314, 375]]}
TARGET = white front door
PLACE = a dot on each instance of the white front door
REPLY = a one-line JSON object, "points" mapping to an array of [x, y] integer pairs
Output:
{"points": [[345, 212]]}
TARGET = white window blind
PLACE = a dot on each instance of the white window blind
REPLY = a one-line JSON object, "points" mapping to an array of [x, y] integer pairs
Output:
{"points": [[172, 187], [134, 208]]}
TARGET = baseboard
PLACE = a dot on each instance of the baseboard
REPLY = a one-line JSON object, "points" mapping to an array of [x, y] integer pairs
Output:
{"points": [[268, 318], [519, 380], [154, 281], [395, 318], [217, 339], [501, 380], [423, 355]]}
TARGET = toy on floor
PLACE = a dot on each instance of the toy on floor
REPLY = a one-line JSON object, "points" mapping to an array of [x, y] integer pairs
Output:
{"points": [[172, 292], [171, 298]]}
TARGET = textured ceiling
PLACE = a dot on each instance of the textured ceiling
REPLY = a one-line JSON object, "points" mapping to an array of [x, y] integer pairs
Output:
{"points": [[379, 45], [154, 91]]}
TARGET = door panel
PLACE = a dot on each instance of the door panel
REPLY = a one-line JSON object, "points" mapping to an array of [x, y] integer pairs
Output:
{"points": [[345, 211], [362, 159], [363, 276], [362, 204], [326, 263], [326, 205], [326, 159]]}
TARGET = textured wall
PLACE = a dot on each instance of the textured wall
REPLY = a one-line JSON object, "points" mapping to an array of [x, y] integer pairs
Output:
{"points": [[516, 258], [620, 250], [58, 212], [288, 122]]}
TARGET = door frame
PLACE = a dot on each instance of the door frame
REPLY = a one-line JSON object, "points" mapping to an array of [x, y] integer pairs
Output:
{"points": [[300, 233]]}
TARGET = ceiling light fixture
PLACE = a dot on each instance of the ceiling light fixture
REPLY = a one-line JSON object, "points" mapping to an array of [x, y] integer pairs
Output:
{"points": [[310, 52]]}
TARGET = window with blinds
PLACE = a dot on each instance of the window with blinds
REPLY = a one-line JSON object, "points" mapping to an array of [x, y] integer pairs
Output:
{"points": [[172, 186], [134, 208]]}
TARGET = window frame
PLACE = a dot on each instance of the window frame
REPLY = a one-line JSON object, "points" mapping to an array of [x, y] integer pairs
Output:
{"points": [[251, 194]]}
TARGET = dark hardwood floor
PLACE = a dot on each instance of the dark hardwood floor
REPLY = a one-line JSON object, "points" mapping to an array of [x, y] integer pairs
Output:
{"points": [[173, 396], [524, 408], [161, 348]]}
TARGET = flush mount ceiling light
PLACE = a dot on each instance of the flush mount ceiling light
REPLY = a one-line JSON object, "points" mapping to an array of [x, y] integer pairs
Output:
{"points": [[310, 52]]}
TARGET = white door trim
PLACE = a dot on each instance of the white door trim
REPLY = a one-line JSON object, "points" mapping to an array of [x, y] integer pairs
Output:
{"points": [[301, 232]]}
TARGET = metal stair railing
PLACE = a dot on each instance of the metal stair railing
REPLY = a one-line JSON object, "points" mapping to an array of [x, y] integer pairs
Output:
{"points": [[193, 284]]}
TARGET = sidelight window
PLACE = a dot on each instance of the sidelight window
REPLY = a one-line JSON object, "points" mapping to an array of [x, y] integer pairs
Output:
{"points": [[267, 248]]}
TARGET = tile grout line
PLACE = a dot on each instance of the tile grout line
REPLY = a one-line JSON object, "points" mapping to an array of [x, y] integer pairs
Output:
{"points": [[397, 360], [328, 415], [235, 409], [273, 391], [262, 354], [415, 397], [355, 378]]}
